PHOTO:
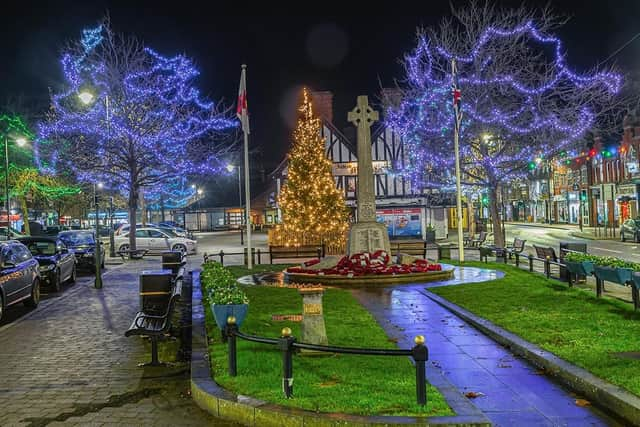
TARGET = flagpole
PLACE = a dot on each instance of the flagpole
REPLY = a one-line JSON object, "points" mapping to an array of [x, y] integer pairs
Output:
{"points": [[456, 148], [247, 193]]}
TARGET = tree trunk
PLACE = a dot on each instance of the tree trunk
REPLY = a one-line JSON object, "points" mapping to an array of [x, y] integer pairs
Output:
{"points": [[25, 215], [143, 207], [498, 236], [133, 207]]}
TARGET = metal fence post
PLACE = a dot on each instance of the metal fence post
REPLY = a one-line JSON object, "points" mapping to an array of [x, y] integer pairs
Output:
{"points": [[259, 257], [547, 266], [230, 330], [285, 344], [517, 259], [319, 253], [221, 255], [420, 354], [530, 263]]}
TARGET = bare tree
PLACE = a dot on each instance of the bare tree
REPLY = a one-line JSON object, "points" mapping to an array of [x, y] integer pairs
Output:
{"points": [[131, 118], [519, 98]]}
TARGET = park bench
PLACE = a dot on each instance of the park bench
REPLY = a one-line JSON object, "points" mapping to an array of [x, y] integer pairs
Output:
{"points": [[155, 325], [285, 252], [516, 248], [413, 248], [132, 253], [544, 253], [482, 237]]}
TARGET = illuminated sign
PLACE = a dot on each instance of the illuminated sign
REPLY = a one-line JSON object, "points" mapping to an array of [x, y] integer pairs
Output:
{"points": [[380, 167]]}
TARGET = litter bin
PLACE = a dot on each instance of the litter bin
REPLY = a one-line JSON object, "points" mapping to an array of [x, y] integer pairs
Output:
{"points": [[172, 260], [155, 290], [570, 246], [444, 250]]}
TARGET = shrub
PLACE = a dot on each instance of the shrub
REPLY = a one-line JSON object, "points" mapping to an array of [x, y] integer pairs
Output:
{"points": [[219, 286]]}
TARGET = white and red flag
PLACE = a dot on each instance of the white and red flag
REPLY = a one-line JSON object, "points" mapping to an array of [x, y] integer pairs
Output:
{"points": [[242, 110]]}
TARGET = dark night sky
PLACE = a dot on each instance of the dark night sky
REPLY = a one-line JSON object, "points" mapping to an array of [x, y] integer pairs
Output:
{"points": [[341, 54]]}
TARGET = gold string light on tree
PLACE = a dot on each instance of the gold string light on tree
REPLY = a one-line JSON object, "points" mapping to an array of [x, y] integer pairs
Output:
{"points": [[313, 209]]}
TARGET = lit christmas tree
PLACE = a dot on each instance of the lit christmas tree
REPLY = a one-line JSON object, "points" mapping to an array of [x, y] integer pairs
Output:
{"points": [[313, 209]]}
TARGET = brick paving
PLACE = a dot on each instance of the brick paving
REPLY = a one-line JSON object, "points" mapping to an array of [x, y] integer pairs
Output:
{"points": [[68, 363]]}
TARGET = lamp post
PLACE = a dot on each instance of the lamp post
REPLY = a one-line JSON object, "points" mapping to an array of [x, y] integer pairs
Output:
{"points": [[98, 250], [21, 141]]}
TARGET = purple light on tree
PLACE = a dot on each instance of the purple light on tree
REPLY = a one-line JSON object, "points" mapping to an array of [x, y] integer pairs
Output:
{"points": [[520, 99], [132, 119]]}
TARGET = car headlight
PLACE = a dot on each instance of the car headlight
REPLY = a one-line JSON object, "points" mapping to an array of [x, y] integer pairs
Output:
{"points": [[88, 255], [47, 267], [191, 243]]}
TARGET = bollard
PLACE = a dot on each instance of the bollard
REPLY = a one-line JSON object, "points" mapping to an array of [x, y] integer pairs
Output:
{"points": [[547, 267], [517, 259], [221, 255], [319, 251], [530, 263], [285, 344], [230, 330], [420, 354]]}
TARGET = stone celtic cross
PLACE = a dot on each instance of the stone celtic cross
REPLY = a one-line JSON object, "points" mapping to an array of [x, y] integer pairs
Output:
{"points": [[363, 116]]}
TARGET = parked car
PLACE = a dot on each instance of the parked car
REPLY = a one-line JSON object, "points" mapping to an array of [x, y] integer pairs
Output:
{"points": [[124, 228], [19, 278], [155, 240], [170, 224], [56, 263], [630, 229], [14, 234], [83, 244]]}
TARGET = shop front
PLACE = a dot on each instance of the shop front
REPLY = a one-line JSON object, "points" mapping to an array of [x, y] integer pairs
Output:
{"points": [[626, 199]]}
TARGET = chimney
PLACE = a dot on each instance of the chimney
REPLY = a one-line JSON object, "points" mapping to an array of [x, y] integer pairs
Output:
{"points": [[323, 104]]}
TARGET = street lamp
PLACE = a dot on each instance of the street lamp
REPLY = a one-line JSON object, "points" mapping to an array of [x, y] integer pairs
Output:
{"points": [[98, 250], [230, 168], [20, 141]]}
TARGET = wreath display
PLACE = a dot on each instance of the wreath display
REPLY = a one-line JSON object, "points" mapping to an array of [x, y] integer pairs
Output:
{"points": [[365, 263]]}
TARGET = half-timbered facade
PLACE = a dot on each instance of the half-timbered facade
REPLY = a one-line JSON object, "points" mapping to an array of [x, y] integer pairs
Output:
{"points": [[403, 210]]}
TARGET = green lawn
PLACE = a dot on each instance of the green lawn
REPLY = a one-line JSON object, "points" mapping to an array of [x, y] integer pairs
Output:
{"points": [[572, 323], [242, 270], [352, 384]]}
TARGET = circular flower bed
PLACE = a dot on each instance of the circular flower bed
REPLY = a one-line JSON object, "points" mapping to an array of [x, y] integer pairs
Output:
{"points": [[364, 264]]}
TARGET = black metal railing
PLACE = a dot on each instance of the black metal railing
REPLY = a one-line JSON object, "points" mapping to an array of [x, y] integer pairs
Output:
{"points": [[287, 344]]}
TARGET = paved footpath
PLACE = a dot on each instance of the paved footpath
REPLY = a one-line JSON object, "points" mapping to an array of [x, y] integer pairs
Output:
{"points": [[514, 393], [69, 363]]}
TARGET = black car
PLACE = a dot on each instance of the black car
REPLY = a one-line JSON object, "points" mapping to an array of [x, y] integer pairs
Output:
{"points": [[19, 278], [83, 244], [630, 229], [57, 263]]}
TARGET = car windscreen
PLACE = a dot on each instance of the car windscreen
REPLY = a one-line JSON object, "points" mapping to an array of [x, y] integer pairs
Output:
{"points": [[42, 248], [77, 239]]}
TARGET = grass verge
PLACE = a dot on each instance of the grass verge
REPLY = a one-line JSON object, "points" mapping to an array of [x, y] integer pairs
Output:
{"points": [[571, 323], [364, 385]]}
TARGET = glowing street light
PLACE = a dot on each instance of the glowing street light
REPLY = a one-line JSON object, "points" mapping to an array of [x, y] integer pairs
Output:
{"points": [[86, 97]]}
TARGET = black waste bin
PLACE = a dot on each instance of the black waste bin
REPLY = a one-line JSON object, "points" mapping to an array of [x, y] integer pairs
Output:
{"points": [[172, 260], [155, 291], [574, 247]]}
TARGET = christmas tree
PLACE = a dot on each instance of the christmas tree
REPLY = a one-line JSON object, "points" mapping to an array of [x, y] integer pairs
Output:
{"points": [[313, 209]]}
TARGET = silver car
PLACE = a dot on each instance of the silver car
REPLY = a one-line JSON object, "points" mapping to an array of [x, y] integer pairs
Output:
{"points": [[155, 240]]}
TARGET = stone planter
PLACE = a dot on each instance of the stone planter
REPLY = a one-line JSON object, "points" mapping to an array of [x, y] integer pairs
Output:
{"points": [[222, 311]]}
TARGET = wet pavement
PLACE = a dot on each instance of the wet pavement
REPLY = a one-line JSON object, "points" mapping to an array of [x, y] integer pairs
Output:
{"points": [[510, 391], [69, 363]]}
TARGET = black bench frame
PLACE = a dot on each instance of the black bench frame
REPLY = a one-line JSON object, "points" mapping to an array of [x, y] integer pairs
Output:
{"points": [[284, 252], [410, 248], [156, 325]]}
